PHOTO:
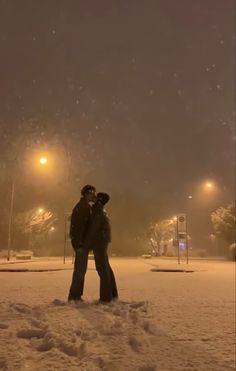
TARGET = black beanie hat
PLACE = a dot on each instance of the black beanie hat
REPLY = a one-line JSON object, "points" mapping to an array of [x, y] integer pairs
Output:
{"points": [[103, 197]]}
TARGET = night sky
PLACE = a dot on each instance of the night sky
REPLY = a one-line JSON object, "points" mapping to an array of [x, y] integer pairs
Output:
{"points": [[146, 89]]}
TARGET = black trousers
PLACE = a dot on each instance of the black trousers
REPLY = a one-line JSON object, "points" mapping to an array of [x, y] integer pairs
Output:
{"points": [[108, 288], [80, 269]]}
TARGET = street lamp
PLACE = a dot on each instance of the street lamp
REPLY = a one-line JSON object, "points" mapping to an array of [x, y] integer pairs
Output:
{"points": [[43, 161], [9, 239], [209, 185]]}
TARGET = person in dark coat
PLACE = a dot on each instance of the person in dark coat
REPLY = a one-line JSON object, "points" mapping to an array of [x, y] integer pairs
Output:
{"points": [[80, 219], [98, 237]]}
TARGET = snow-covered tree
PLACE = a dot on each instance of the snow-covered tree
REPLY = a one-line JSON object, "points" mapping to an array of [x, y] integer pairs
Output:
{"points": [[161, 232], [224, 223]]}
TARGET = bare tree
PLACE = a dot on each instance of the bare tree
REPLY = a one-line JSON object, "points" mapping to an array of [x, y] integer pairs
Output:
{"points": [[36, 223]]}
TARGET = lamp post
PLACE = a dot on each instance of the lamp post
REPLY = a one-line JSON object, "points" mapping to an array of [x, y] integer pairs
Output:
{"points": [[43, 161], [9, 239]]}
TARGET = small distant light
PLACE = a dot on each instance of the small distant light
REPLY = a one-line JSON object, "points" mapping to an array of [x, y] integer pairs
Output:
{"points": [[190, 197], [43, 160], [40, 211], [209, 185], [52, 229]]}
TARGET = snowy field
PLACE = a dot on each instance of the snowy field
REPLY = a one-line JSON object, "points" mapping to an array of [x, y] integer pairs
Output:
{"points": [[163, 321]]}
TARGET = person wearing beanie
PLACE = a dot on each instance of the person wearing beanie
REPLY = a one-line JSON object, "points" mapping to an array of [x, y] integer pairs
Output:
{"points": [[98, 238]]}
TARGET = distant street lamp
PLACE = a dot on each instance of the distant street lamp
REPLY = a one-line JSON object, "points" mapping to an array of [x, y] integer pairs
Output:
{"points": [[209, 185], [43, 160]]}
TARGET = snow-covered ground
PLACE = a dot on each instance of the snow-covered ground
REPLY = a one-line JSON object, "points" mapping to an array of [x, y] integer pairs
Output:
{"points": [[163, 320]]}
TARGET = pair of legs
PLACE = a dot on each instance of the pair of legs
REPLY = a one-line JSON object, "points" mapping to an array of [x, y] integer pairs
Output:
{"points": [[108, 288], [80, 269]]}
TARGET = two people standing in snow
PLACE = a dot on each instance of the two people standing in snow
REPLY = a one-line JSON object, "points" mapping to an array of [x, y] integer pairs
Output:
{"points": [[90, 230]]}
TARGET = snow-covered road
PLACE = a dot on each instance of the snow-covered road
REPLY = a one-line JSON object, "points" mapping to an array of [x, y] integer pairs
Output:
{"points": [[163, 321]]}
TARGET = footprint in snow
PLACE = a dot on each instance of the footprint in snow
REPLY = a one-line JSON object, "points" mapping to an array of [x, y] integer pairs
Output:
{"points": [[21, 308], [3, 326]]}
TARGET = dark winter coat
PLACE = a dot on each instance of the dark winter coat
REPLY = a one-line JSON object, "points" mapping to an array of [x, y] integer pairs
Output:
{"points": [[99, 230], [80, 218]]}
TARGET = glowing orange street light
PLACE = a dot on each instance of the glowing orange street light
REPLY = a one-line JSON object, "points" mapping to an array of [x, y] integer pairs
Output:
{"points": [[43, 161], [209, 185]]}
